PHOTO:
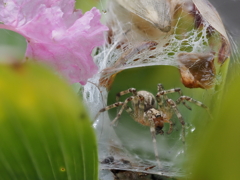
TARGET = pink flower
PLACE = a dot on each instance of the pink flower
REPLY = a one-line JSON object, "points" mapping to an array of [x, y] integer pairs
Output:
{"points": [[56, 33]]}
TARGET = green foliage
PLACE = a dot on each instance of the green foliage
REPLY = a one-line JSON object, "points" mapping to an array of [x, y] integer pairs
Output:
{"points": [[218, 153], [11, 38], [12, 45], [44, 129], [86, 5]]}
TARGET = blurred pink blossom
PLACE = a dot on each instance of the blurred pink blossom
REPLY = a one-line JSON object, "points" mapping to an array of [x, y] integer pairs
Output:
{"points": [[56, 33]]}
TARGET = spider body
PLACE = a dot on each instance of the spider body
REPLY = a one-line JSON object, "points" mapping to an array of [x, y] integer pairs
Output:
{"points": [[153, 111], [145, 105]]}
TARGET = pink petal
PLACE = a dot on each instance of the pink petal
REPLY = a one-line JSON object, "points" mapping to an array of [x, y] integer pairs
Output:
{"points": [[56, 34]]}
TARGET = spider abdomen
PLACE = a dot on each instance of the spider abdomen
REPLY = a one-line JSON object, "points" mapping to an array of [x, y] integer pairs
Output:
{"points": [[149, 99]]}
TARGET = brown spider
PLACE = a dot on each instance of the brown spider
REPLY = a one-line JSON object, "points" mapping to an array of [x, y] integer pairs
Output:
{"points": [[146, 112]]}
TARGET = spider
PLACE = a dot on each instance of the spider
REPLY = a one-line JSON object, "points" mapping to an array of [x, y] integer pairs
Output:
{"points": [[153, 111]]}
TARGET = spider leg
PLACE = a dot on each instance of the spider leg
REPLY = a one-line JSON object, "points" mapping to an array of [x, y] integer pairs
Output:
{"points": [[153, 132], [124, 106], [187, 98], [160, 99], [170, 127], [162, 95], [107, 108], [198, 103], [130, 112], [140, 109], [175, 109], [130, 90], [138, 112]]}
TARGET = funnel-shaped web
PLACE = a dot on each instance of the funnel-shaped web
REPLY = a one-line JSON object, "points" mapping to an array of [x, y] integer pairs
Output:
{"points": [[198, 46]]}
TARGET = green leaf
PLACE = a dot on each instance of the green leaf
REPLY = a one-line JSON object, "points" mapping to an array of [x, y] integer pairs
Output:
{"points": [[86, 5], [44, 129], [218, 153], [12, 45]]}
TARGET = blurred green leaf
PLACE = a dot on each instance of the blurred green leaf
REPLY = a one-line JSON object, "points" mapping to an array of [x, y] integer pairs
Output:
{"points": [[44, 129], [12, 39], [86, 5], [12, 45], [218, 150]]}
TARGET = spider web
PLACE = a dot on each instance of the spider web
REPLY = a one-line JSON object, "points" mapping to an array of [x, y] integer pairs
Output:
{"points": [[127, 37], [162, 55], [128, 47]]}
